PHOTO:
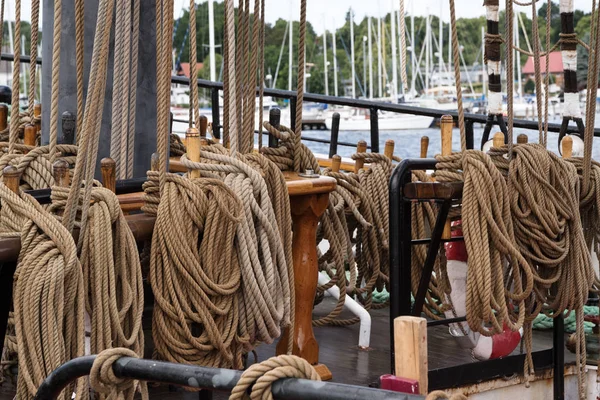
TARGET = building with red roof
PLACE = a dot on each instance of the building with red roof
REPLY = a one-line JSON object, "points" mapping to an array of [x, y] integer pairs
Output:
{"points": [[555, 68]]}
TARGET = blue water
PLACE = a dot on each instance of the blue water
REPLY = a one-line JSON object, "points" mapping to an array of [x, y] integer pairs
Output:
{"points": [[408, 143]]}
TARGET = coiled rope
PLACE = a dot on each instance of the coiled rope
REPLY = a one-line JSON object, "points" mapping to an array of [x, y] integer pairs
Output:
{"points": [[104, 381]]}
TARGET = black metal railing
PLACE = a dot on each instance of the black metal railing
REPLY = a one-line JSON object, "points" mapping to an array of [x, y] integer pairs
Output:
{"points": [[210, 379], [400, 245]]}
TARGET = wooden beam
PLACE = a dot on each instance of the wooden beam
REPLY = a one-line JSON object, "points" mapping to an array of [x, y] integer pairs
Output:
{"points": [[433, 190], [410, 346]]}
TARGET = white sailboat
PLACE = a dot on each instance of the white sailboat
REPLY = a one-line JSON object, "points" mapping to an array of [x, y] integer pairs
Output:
{"points": [[360, 120]]}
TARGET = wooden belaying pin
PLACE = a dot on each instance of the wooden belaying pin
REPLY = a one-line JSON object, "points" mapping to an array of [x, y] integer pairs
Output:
{"points": [[522, 139], [30, 135], [108, 168], [336, 163], [11, 178], [3, 117], [361, 147], [193, 149], [155, 162], [203, 125], [567, 147], [424, 146], [498, 140], [60, 172], [388, 150], [446, 125], [37, 113]]}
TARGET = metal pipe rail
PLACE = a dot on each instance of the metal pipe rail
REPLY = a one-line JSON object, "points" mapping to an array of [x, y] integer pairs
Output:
{"points": [[213, 379]]}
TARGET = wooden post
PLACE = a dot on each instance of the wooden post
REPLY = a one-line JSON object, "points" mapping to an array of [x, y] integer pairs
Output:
{"points": [[567, 147], [410, 345], [60, 171], [108, 168], [203, 125], [37, 113], [361, 147], [388, 150], [498, 140], [522, 139], [11, 178], [446, 125], [336, 162], [3, 117], [192, 136], [424, 146], [30, 135]]}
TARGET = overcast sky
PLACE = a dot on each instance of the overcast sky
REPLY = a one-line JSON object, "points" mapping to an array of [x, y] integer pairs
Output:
{"points": [[331, 13]]}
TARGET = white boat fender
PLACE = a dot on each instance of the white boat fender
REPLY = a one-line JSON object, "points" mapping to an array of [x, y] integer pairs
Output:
{"points": [[483, 347]]}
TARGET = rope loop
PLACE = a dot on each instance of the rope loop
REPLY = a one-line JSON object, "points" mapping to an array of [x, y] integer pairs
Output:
{"points": [[103, 379], [260, 377]]}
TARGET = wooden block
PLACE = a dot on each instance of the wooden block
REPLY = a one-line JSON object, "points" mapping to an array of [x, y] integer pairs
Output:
{"points": [[30, 135], [410, 346], [3, 117], [203, 125], [323, 372]]}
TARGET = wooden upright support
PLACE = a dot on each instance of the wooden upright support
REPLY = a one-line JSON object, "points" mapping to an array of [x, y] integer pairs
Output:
{"points": [[567, 147], [336, 163], [389, 149], [498, 140], [30, 135], [203, 125], [192, 136], [3, 117], [11, 178], [108, 168], [410, 346], [60, 172], [361, 147], [424, 146], [37, 113], [522, 139], [446, 124]]}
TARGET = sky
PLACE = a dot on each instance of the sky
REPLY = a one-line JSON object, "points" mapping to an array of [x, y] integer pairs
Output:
{"points": [[330, 14]]}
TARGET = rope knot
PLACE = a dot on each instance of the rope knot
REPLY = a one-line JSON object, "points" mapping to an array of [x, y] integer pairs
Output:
{"points": [[102, 376], [260, 377]]}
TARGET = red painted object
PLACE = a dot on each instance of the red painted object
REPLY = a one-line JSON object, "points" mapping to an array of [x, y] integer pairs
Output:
{"points": [[397, 384], [456, 250]]}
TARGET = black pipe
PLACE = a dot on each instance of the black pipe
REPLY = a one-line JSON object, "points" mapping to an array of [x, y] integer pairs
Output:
{"points": [[335, 130], [374, 118], [217, 379], [23, 59], [470, 134], [293, 114], [558, 357], [274, 120], [7, 271], [216, 113]]}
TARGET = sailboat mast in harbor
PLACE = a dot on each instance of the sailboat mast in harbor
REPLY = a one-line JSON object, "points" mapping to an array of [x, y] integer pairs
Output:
{"points": [[335, 70], [413, 79], [441, 45], [211, 40], [291, 46], [379, 57], [325, 57], [394, 91], [370, 58], [352, 53]]}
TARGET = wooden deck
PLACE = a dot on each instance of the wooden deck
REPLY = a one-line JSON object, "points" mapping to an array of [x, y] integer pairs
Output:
{"points": [[349, 364]]}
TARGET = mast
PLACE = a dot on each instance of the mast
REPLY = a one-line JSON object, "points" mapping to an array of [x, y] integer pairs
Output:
{"points": [[394, 91], [483, 71], [450, 48], [325, 58], [518, 53], [379, 57], [492, 53], [364, 66], [413, 76], [291, 46], [569, 56], [441, 44], [427, 33], [370, 58], [211, 40], [335, 70], [352, 53]]}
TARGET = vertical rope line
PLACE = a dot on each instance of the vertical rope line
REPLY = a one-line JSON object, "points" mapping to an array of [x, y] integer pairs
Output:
{"points": [[133, 87], [79, 61], [261, 74], [35, 19], [117, 87], [16, 83], [194, 108], [225, 73], [240, 77], [124, 93], [592, 82], [509, 33], [456, 56], [403, 46], [547, 79], [230, 93], [536, 62], [252, 76], [246, 83], [300, 83], [2, 22]]}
